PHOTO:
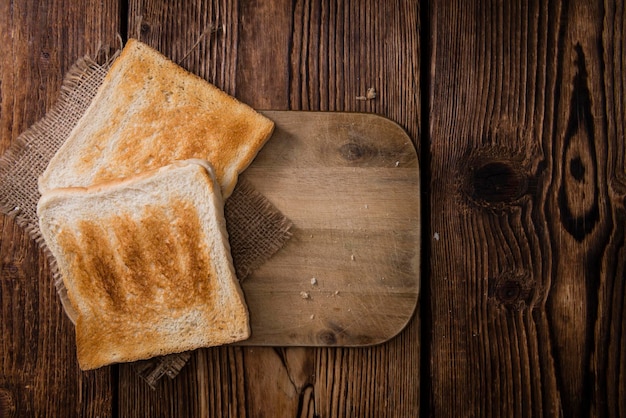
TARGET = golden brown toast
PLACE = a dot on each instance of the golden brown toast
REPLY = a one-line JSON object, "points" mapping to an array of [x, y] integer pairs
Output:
{"points": [[150, 112], [146, 263]]}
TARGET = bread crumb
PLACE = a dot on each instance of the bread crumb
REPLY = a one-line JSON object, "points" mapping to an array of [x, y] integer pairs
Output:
{"points": [[305, 295], [313, 281], [436, 236], [336, 292], [352, 257], [397, 163], [370, 95], [312, 316]]}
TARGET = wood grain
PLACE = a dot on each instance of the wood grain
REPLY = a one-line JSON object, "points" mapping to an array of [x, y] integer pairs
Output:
{"points": [[349, 275], [302, 55], [527, 228], [40, 376], [527, 287]]}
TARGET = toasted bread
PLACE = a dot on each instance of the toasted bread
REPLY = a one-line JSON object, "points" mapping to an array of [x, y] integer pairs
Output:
{"points": [[149, 112], [146, 263]]}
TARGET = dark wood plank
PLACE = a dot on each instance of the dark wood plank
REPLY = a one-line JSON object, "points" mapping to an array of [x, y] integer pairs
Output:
{"points": [[528, 267], [283, 55], [40, 376]]}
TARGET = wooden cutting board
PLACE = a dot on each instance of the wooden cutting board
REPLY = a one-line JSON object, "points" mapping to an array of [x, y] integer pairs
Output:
{"points": [[349, 276]]}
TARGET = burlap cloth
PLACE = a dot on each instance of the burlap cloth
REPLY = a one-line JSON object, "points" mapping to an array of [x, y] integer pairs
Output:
{"points": [[256, 228]]}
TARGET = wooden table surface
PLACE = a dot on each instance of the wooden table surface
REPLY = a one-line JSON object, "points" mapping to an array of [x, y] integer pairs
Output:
{"points": [[517, 112]]}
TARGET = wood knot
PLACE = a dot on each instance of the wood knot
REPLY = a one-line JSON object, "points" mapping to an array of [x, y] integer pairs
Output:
{"points": [[7, 405], [11, 271], [144, 28], [494, 178], [577, 169], [498, 182], [327, 337], [579, 190], [511, 291], [354, 152]]}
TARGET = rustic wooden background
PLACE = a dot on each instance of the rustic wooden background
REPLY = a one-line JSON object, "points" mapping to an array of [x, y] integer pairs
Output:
{"points": [[518, 112]]}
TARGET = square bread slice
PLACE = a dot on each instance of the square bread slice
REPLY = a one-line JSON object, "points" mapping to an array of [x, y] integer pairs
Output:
{"points": [[146, 263], [149, 112]]}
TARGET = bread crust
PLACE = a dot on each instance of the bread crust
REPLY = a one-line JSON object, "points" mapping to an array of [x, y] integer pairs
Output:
{"points": [[150, 112], [146, 263]]}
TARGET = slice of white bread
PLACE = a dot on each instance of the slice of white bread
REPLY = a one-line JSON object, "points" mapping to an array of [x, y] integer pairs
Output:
{"points": [[146, 263], [149, 112]]}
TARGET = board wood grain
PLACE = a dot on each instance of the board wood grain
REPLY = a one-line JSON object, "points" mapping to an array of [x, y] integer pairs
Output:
{"points": [[349, 276]]}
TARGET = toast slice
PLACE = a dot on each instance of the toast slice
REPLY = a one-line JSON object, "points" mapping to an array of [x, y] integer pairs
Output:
{"points": [[146, 263], [149, 112]]}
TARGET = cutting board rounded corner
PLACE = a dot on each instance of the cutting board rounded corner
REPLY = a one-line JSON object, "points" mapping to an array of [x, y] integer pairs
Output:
{"points": [[396, 332], [392, 334]]}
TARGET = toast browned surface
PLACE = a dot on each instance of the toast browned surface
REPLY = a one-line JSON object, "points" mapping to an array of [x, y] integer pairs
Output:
{"points": [[146, 263], [150, 112]]}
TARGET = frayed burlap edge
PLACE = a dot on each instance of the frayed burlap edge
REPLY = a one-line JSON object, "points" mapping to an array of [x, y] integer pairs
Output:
{"points": [[258, 222]]}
